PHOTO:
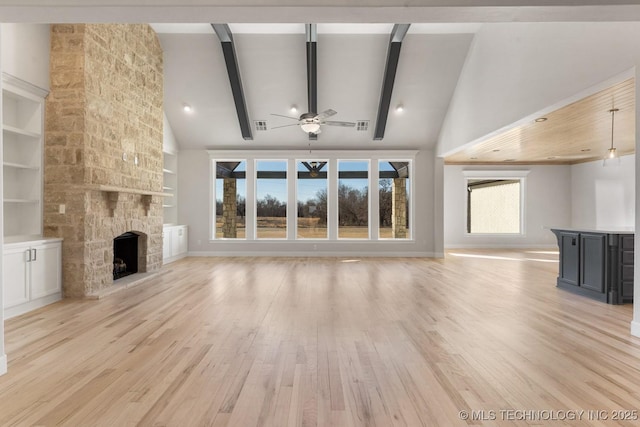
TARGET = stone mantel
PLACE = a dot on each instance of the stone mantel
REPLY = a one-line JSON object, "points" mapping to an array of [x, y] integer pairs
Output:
{"points": [[113, 194]]}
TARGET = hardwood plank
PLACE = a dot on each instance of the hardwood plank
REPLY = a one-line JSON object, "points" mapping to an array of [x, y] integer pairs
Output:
{"points": [[322, 342]]}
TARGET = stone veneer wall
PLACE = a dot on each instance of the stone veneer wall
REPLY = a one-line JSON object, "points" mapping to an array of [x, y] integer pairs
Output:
{"points": [[105, 101]]}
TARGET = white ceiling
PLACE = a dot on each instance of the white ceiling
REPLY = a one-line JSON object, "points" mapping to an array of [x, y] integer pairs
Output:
{"points": [[272, 62]]}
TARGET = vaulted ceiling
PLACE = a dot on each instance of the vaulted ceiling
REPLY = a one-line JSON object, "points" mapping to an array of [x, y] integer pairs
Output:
{"points": [[351, 61]]}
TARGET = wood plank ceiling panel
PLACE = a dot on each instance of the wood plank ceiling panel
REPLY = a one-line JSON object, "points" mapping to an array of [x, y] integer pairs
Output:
{"points": [[576, 133]]}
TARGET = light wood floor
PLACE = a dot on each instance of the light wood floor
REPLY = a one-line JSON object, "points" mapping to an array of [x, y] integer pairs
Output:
{"points": [[327, 342]]}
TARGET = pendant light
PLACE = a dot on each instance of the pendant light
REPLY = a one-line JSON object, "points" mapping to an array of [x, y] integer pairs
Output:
{"points": [[612, 158]]}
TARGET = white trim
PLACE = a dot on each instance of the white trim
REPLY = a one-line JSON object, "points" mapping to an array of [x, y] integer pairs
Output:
{"points": [[520, 175], [326, 154], [3, 364], [500, 246], [373, 159], [24, 85], [31, 305], [495, 174], [635, 328], [173, 258], [316, 254]]}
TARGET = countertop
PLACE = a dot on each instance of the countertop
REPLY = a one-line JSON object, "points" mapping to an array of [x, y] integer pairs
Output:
{"points": [[603, 230]]}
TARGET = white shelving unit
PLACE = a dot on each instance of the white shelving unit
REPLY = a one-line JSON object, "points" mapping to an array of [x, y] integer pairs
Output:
{"points": [[22, 134], [32, 264], [170, 186]]}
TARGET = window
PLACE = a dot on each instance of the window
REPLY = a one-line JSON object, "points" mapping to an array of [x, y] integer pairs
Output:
{"points": [[312, 196], [230, 191], [312, 199], [271, 199], [494, 205], [353, 199], [393, 202]]}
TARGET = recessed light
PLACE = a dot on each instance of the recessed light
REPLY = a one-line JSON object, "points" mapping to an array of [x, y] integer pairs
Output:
{"points": [[294, 109], [187, 108], [399, 108], [541, 119]]}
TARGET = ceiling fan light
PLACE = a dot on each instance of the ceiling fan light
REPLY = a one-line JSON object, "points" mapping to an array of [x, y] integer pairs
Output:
{"points": [[310, 127]]}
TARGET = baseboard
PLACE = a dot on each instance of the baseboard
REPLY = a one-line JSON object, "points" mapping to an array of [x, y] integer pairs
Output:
{"points": [[500, 246], [174, 258], [3, 364], [19, 309], [635, 328], [318, 254]]}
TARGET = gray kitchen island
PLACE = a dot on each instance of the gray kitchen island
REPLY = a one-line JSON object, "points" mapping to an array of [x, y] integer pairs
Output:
{"points": [[597, 263]]}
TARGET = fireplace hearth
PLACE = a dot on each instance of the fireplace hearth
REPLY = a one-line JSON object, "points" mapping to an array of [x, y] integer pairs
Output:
{"points": [[125, 255]]}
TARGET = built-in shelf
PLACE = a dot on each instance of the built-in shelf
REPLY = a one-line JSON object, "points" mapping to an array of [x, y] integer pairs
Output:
{"points": [[19, 166], [170, 186], [22, 131], [21, 201], [18, 131]]}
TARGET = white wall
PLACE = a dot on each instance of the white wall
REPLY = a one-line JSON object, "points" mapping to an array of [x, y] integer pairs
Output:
{"points": [[193, 210], [25, 54], [169, 142], [547, 203], [603, 196]]}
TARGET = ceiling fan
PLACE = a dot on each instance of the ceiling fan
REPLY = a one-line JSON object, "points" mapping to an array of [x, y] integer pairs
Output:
{"points": [[311, 122]]}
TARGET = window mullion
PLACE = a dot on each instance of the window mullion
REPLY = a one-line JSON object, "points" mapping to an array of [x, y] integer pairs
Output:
{"points": [[332, 200]]}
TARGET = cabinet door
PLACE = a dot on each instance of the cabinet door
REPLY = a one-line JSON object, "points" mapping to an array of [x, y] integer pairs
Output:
{"points": [[569, 257], [166, 242], [46, 270], [592, 257], [16, 276], [182, 240]]}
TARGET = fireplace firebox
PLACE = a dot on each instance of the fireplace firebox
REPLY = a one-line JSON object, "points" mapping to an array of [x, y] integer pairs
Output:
{"points": [[125, 255]]}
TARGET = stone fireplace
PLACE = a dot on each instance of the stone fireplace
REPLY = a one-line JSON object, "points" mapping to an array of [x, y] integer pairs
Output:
{"points": [[103, 143]]}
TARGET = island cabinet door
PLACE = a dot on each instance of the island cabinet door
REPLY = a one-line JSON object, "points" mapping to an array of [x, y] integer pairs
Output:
{"points": [[569, 257], [592, 261]]}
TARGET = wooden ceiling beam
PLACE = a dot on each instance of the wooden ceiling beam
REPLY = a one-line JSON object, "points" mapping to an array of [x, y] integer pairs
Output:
{"points": [[393, 57], [228, 49]]}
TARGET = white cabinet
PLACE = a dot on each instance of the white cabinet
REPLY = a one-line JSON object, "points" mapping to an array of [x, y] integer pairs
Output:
{"points": [[32, 275], [175, 243], [170, 188], [22, 130]]}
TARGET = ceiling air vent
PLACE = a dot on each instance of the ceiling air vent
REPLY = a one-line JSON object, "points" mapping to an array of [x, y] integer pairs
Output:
{"points": [[362, 125], [260, 124]]}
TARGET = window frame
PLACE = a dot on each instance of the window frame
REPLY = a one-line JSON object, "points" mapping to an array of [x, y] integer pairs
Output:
{"points": [[292, 157], [410, 200], [296, 187], [213, 202], [255, 198], [516, 175]]}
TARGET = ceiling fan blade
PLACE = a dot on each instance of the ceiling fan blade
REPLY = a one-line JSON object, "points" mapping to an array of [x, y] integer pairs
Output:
{"points": [[326, 113], [343, 124], [288, 117], [284, 126]]}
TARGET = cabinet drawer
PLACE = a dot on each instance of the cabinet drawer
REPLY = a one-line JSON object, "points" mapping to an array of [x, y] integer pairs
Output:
{"points": [[627, 272], [626, 242], [627, 257]]}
